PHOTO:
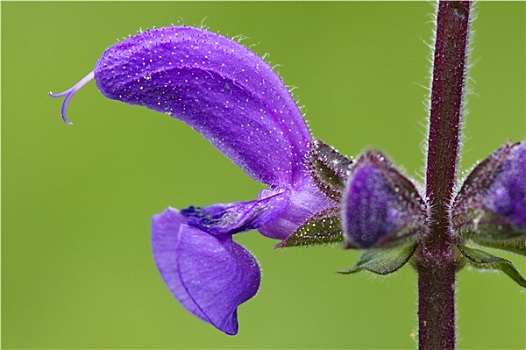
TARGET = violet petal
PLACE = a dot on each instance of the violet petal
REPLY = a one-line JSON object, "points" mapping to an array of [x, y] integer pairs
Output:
{"points": [[211, 276], [220, 88], [231, 218], [304, 201]]}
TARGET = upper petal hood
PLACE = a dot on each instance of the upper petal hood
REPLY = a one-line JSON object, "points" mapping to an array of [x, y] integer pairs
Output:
{"points": [[218, 87]]}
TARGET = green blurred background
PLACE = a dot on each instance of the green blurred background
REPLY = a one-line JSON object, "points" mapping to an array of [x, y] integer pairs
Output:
{"points": [[77, 270]]}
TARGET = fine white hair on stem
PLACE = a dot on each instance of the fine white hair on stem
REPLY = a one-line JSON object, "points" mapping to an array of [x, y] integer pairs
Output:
{"points": [[466, 90], [427, 101]]}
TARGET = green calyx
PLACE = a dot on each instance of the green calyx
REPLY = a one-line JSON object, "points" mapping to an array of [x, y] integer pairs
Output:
{"points": [[328, 168], [383, 261], [321, 229]]}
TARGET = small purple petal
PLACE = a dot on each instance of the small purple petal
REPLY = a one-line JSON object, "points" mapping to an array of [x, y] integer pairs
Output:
{"points": [[228, 219], [304, 201], [506, 195], [218, 87], [379, 204], [211, 276]]}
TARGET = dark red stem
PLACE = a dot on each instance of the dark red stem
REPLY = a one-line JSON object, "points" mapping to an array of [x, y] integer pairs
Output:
{"points": [[436, 256]]}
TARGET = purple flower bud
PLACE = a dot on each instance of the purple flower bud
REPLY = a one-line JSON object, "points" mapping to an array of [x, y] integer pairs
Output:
{"points": [[380, 205], [492, 200], [506, 195]]}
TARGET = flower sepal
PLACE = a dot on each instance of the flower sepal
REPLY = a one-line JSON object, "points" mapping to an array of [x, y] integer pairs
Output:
{"points": [[322, 228], [384, 260], [485, 261], [515, 245], [329, 169]]}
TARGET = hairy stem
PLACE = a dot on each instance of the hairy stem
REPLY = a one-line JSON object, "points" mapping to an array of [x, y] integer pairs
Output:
{"points": [[436, 255]]}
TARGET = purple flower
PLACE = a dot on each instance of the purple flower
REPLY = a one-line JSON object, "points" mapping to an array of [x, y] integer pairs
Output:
{"points": [[234, 99]]}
